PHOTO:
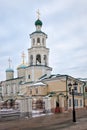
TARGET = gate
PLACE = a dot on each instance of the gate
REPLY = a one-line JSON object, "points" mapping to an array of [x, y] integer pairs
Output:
{"points": [[38, 106]]}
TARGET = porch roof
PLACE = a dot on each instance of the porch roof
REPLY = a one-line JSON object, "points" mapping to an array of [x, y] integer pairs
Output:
{"points": [[39, 84]]}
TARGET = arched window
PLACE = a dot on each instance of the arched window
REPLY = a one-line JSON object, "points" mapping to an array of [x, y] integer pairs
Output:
{"points": [[38, 40], [36, 90], [38, 59], [33, 41], [45, 59], [11, 89], [31, 60], [43, 41], [30, 91], [6, 91]]}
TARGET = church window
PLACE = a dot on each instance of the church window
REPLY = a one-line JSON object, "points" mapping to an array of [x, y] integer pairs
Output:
{"points": [[6, 90], [43, 41], [30, 91], [28, 76], [36, 90], [33, 41], [16, 89], [11, 89], [45, 59], [38, 40], [38, 59], [31, 60]]}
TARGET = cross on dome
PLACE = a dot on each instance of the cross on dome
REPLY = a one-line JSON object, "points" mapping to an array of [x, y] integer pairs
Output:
{"points": [[38, 22], [38, 14], [9, 61], [23, 57]]}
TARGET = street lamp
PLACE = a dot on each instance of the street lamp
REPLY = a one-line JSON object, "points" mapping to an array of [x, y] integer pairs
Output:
{"points": [[73, 112]]}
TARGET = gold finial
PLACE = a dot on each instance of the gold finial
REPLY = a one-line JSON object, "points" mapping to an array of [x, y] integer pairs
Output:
{"points": [[9, 61], [38, 14], [23, 57]]}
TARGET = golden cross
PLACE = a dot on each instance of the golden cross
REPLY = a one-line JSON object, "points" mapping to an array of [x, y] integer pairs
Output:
{"points": [[9, 60], [23, 57], [38, 14]]}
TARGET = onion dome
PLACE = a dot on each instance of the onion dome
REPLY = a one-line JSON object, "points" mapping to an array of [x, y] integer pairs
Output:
{"points": [[9, 70], [22, 66], [38, 22]]}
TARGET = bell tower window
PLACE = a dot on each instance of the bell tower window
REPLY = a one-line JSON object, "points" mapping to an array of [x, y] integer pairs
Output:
{"points": [[38, 59], [43, 40], [38, 40], [31, 60], [33, 41], [45, 59]]}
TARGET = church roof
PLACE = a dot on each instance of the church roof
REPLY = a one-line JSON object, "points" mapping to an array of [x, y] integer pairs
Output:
{"points": [[39, 33], [39, 84]]}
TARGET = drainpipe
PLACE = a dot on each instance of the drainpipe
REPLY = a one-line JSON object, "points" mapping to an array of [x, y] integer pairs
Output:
{"points": [[66, 92], [84, 92]]}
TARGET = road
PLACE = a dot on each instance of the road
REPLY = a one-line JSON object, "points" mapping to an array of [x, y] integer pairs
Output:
{"points": [[48, 122]]}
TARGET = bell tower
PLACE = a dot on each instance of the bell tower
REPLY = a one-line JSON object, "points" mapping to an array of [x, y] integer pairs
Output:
{"points": [[38, 54]]}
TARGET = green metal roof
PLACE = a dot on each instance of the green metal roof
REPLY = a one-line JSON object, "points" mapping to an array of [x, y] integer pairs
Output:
{"points": [[38, 22], [39, 33]]}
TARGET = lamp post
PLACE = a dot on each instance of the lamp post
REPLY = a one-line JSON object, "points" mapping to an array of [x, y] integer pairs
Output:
{"points": [[73, 112]]}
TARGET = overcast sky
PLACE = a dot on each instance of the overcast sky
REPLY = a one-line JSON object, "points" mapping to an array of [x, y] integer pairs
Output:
{"points": [[65, 23]]}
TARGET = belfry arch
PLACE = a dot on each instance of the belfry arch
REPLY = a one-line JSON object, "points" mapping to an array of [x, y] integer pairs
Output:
{"points": [[38, 40], [38, 59]]}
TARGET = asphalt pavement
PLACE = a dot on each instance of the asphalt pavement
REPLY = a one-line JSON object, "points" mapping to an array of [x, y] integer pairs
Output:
{"points": [[48, 122]]}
